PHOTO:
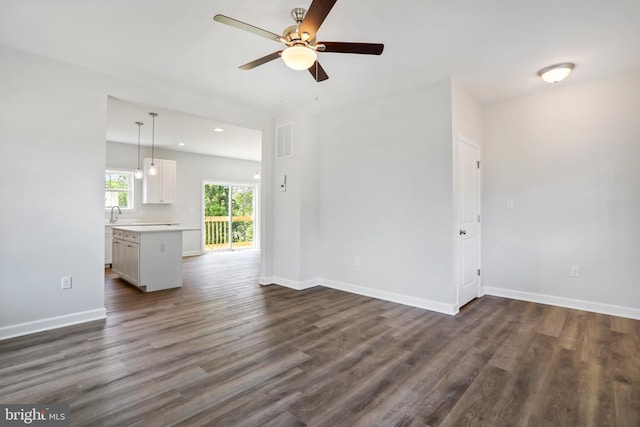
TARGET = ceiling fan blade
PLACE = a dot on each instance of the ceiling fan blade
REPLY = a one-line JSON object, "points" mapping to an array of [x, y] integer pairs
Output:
{"points": [[247, 27], [315, 16], [345, 47], [318, 72], [260, 61]]}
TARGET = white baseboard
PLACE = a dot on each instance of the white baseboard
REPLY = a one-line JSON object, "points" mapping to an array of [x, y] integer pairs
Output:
{"points": [[596, 307], [27, 328], [191, 253], [298, 286], [426, 304]]}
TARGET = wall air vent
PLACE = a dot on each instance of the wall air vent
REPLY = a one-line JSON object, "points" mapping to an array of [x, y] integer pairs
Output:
{"points": [[284, 141]]}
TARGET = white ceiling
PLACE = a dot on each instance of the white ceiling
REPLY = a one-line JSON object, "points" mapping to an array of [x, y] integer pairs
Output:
{"points": [[493, 47], [173, 128]]}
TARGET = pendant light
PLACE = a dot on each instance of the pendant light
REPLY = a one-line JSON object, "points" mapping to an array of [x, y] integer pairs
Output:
{"points": [[138, 174], [152, 168]]}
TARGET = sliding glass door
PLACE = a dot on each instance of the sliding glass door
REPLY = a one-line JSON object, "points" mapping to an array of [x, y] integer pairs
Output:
{"points": [[228, 216]]}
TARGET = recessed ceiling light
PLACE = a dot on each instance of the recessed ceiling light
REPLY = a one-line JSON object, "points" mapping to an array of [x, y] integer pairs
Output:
{"points": [[180, 143], [556, 73], [218, 130]]}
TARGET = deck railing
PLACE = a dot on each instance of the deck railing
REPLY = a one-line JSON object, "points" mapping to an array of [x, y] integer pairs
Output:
{"points": [[217, 233]]}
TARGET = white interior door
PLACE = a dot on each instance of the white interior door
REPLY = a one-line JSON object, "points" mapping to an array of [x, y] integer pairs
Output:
{"points": [[468, 212]]}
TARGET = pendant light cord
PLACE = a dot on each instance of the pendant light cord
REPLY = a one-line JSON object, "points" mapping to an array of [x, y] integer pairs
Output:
{"points": [[153, 135], [139, 124]]}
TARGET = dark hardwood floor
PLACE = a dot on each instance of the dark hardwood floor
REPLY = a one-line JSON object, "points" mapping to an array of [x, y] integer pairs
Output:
{"points": [[225, 351]]}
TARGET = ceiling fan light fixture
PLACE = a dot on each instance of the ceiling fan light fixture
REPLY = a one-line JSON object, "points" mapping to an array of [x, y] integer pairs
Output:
{"points": [[299, 57], [557, 72]]}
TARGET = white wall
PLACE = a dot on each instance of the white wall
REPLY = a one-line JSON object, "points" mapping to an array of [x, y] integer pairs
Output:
{"points": [[291, 251], [52, 160], [373, 181], [568, 158], [386, 197], [467, 115], [308, 149], [192, 169], [285, 224], [51, 163]]}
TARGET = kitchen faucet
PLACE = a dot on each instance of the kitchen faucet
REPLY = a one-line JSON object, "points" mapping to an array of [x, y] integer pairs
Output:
{"points": [[112, 220]]}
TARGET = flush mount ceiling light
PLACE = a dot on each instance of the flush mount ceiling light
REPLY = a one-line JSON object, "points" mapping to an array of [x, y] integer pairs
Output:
{"points": [[218, 130], [138, 173], [556, 73], [299, 57], [152, 168]]}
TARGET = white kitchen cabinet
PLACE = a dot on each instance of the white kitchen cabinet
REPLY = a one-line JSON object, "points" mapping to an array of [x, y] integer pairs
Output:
{"points": [[148, 257], [159, 188], [126, 255], [131, 257], [108, 246], [117, 263]]}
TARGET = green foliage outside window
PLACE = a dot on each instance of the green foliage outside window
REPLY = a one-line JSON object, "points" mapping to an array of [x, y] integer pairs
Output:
{"points": [[216, 198], [118, 189]]}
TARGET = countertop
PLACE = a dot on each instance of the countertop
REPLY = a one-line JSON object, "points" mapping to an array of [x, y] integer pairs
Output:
{"points": [[151, 228], [128, 224]]}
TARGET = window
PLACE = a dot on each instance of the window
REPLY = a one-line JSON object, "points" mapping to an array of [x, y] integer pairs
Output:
{"points": [[118, 189]]}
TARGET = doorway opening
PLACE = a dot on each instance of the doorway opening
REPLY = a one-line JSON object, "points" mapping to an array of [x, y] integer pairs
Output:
{"points": [[229, 216]]}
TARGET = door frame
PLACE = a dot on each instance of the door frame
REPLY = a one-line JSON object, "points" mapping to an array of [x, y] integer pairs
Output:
{"points": [[456, 211], [256, 209]]}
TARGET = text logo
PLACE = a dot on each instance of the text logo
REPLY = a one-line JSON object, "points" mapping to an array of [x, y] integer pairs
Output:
{"points": [[41, 415]]}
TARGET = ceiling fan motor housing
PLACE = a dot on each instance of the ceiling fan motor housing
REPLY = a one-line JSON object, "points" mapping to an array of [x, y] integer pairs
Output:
{"points": [[292, 37]]}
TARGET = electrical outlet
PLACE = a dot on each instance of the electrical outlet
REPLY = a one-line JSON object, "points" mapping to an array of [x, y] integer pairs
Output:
{"points": [[575, 271], [356, 261], [65, 282]]}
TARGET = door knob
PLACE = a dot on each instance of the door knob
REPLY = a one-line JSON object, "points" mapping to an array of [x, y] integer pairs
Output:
{"points": [[463, 232]]}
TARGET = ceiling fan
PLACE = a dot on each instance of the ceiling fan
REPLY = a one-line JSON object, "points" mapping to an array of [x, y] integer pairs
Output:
{"points": [[300, 39]]}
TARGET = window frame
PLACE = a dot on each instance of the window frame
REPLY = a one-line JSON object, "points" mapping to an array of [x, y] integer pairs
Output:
{"points": [[130, 190]]}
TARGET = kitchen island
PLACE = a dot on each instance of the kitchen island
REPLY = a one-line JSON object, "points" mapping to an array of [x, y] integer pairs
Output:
{"points": [[148, 257]]}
